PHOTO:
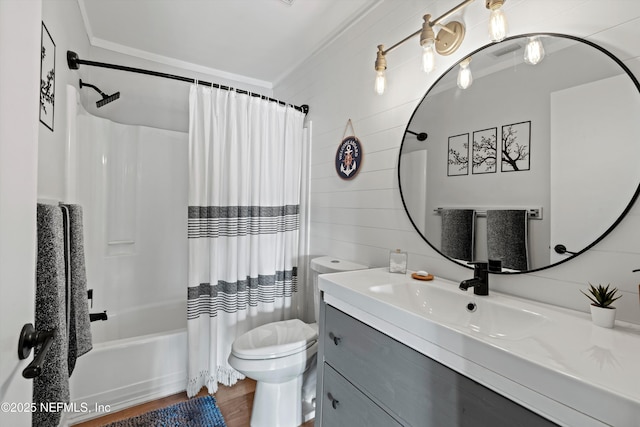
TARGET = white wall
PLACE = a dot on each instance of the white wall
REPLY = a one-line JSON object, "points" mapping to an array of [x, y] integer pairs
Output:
{"points": [[64, 22], [609, 170], [363, 219]]}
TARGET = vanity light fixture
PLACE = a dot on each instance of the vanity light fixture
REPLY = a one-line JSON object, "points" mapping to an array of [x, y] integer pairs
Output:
{"points": [[381, 66], [464, 74], [445, 42], [428, 43], [533, 51], [497, 20]]}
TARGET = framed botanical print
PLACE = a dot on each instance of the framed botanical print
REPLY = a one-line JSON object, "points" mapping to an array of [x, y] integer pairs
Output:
{"points": [[47, 78], [458, 155], [516, 147]]}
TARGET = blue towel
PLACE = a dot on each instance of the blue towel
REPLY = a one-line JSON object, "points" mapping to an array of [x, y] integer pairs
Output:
{"points": [[458, 233], [507, 238]]}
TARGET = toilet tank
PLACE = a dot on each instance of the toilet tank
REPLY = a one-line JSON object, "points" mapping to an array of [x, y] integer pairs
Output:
{"points": [[328, 264]]}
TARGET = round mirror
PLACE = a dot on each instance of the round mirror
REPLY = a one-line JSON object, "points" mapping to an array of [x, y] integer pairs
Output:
{"points": [[534, 162]]}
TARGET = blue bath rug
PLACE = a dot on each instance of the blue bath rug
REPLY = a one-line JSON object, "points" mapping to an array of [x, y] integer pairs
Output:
{"points": [[197, 412]]}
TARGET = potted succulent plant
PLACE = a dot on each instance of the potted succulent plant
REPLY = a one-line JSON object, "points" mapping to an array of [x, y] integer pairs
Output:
{"points": [[602, 312]]}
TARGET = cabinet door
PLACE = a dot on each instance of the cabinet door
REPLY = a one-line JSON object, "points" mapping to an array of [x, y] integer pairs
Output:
{"points": [[344, 405], [415, 389]]}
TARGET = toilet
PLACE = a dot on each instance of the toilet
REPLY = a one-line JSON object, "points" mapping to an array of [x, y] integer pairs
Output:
{"points": [[281, 357]]}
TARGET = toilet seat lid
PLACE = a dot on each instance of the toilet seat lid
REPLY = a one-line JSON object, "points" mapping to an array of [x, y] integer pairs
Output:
{"points": [[277, 339]]}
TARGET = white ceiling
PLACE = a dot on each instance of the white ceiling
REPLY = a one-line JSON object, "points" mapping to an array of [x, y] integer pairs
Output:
{"points": [[253, 41]]}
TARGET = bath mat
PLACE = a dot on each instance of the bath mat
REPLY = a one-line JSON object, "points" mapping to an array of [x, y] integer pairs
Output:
{"points": [[197, 412]]}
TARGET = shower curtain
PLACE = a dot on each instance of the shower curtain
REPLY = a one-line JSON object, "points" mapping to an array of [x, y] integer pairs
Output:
{"points": [[245, 157]]}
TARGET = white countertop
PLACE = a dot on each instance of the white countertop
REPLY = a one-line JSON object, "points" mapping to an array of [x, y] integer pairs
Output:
{"points": [[563, 367]]}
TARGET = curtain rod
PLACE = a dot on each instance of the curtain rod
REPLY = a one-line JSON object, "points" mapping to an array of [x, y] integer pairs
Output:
{"points": [[73, 61]]}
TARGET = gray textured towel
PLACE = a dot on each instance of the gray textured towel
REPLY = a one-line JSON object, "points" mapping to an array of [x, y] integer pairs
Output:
{"points": [[507, 238], [458, 233], [78, 326], [50, 313]]}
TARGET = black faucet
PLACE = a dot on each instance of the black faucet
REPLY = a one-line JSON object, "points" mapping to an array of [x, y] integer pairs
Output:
{"points": [[98, 316], [480, 281]]}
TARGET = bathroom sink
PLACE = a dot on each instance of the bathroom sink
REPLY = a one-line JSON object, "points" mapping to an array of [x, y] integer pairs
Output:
{"points": [[552, 357], [425, 299], [462, 310]]}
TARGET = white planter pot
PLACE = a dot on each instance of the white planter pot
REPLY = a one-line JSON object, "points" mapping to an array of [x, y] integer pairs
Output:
{"points": [[604, 317]]}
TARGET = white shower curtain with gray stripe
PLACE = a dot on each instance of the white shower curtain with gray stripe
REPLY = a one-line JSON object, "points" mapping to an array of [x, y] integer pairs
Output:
{"points": [[244, 199]]}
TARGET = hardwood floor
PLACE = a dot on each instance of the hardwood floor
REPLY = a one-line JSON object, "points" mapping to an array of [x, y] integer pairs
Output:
{"points": [[234, 403]]}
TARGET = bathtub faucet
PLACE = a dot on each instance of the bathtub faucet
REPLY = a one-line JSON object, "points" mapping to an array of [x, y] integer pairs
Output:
{"points": [[480, 280], [98, 316]]}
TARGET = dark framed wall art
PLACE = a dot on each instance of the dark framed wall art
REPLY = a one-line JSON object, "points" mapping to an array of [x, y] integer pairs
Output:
{"points": [[47, 78], [458, 155], [485, 152], [516, 147]]}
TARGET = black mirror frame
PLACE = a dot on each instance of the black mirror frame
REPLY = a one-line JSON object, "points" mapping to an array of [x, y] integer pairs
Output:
{"points": [[575, 254]]}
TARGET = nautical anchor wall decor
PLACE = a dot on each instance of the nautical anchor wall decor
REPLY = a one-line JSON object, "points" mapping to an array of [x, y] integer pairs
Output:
{"points": [[349, 155]]}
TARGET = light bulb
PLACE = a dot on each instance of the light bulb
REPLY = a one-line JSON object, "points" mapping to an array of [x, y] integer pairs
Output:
{"points": [[464, 74], [428, 58], [533, 51], [380, 82], [497, 25]]}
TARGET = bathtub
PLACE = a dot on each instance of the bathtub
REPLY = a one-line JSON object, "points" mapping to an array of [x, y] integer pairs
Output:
{"points": [[137, 356]]}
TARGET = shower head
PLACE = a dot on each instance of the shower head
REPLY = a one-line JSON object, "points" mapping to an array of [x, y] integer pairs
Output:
{"points": [[105, 98]]}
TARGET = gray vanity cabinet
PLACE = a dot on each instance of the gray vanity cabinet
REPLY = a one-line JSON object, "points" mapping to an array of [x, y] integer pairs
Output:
{"points": [[366, 375], [345, 405]]}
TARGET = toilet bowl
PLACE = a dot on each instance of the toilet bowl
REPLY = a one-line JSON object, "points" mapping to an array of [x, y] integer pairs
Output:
{"points": [[281, 357]]}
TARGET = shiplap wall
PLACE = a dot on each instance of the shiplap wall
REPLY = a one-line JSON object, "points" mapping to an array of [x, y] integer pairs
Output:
{"points": [[362, 219]]}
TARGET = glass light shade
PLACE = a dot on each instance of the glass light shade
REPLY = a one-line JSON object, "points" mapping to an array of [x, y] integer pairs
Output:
{"points": [[428, 58], [533, 51], [464, 75], [497, 25], [381, 82]]}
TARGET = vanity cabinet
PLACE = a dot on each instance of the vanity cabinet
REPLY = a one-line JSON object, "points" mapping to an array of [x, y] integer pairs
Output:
{"points": [[367, 378], [345, 405]]}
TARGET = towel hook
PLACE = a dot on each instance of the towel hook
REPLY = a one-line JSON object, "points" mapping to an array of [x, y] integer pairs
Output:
{"points": [[30, 338]]}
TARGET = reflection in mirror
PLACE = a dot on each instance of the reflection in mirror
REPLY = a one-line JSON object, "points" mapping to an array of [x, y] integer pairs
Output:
{"points": [[543, 151]]}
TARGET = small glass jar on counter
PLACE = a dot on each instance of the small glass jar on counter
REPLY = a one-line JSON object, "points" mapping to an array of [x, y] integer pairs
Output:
{"points": [[397, 261]]}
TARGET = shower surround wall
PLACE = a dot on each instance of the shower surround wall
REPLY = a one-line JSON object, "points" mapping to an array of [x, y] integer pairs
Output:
{"points": [[132, 184], [363, 218]]}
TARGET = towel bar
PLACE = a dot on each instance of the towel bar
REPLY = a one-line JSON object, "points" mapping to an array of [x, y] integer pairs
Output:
{"points": [[30, 338], [534, 213]]}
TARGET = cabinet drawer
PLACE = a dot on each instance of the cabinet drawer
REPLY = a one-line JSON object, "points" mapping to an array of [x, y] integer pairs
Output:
{"points": [[344, 405], [417, 390]]}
